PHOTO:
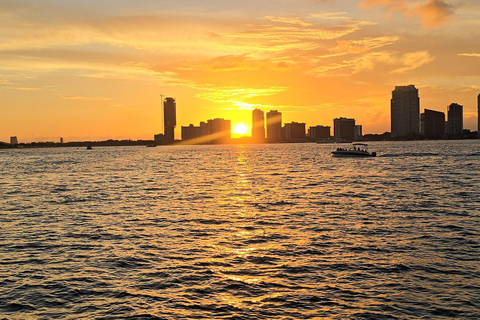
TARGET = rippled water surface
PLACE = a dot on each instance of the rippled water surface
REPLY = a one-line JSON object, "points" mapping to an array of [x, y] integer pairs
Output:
{"points": [[241, 232]]}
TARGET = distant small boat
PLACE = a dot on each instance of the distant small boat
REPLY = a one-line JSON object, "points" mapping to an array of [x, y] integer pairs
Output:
{"points": [[357, 150], [151, 145], [89, 148]]}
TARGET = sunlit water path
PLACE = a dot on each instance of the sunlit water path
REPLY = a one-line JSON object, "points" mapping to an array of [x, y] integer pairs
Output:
{"points": [[241, 232]]}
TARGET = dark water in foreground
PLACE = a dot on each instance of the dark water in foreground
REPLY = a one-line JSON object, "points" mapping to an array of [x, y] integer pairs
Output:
{"points": [[241, 232]]}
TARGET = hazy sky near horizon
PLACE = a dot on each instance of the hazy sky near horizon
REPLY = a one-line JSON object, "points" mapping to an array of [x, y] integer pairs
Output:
{"points": [[87, 70]]}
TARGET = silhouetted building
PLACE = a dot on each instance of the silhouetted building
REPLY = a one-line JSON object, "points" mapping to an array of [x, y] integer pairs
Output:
{"points": [[213, 131], [478, 115], [13, 140], [344, 129], [295, 131], [159, 139], [319, 133], [61, 140], [405, 111], [433, 124], [274, 126], [358, 132], [219, 130], [455, 120], [169, 119], [190, 133], [258, 126]]}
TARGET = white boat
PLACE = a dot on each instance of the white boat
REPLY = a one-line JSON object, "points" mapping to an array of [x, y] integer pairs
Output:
{"points": [[357, 150]]}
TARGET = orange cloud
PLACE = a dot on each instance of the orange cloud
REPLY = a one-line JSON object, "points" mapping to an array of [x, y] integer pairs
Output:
{"points": [[432, 13], [476, 55]]}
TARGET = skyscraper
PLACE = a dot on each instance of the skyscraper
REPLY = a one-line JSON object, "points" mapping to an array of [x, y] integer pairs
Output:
{"points": [[405, 111], [455, 120], [295, 131], [258, 126], [434, 124], [478, 115], [318, 133], [274, 126], [344, 129], [169, 119]]}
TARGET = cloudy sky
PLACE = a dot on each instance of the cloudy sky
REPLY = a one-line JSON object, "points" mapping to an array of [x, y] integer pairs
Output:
{"points": [[85, 70]]}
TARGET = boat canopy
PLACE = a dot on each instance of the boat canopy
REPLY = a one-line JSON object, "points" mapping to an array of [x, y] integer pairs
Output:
{"points": [[360, 144]]}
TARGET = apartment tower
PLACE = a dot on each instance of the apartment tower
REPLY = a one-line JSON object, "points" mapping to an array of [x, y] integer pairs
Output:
{"points": [[258, 126], [169, 119], [455, 120], [274, 126], [405, 111]]}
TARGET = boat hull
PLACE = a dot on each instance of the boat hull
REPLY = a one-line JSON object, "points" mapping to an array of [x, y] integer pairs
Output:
{"points": [[352, 153]]}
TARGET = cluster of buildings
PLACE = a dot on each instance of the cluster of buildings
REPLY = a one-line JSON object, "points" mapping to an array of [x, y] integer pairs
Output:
{"points": [[265, 128], [408, 122], [344, 129]]}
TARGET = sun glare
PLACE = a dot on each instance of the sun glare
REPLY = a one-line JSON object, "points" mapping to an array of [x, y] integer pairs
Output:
{"points": [[240, 129]]}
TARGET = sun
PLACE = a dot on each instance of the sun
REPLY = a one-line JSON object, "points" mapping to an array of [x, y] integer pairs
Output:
{"points": [[240, 129]]}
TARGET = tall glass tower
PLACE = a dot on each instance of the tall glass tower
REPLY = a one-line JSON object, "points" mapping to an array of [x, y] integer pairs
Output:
{"points": [[274, 126], [405, 111], [169, 119], [258, 126]]}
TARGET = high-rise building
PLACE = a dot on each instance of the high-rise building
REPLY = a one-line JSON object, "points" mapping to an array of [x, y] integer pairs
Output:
{"points": [[455, 120], [344, 129], [13, 140], [358, 132], [190, 133], [219, 130], [295, 131], [274, 126], [169, 119], [212, 131], [405, 111], [478, 115], [433, 124], [319, 133], [258, 126]]}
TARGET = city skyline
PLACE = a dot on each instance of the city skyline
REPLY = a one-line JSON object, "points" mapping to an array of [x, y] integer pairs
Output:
{"points": [[90, 71]]}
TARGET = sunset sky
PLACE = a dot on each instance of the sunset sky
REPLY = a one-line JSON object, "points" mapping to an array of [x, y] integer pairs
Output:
{"points": [[96, 70]]}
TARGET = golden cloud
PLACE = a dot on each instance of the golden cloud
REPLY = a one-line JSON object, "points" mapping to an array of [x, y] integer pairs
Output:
{"points": [[476, 55]]}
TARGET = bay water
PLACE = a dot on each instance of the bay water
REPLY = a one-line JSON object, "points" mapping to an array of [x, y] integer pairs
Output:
{"points": [[278, 231]]}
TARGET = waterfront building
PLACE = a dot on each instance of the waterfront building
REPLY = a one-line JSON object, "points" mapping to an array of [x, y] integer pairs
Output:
{"points": [[13, 140], [258, 126], [219, 130], [455, 120], [294, 131], [169, 119], [216, 131], [433, 124], [358, 132], [344, 129], [190, 133], [319, 133], [274, 126], [478, 115], [405, 111]]}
